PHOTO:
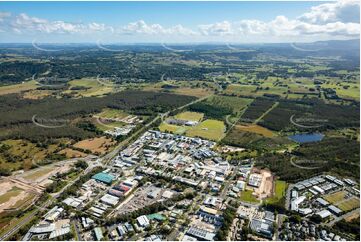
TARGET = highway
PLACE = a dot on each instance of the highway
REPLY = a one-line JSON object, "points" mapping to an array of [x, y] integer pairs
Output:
{"points": [[47, 203], [102, 161]]}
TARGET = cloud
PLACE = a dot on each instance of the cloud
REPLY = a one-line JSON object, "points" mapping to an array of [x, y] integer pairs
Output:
{"points": [[24, 23], [338, 19], [342, 11], [282, 26], [141, 27], [325, 21], [222, 28]]}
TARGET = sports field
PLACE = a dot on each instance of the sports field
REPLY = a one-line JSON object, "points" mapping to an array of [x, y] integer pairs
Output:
{"points": [[335, 197], [349, 204], [208, 129]]}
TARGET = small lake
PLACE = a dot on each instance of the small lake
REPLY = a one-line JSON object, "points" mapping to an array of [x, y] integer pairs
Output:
{"points": [[306, 138]]}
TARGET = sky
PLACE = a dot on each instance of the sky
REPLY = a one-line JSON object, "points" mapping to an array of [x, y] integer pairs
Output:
{"points": [[178, 22]]}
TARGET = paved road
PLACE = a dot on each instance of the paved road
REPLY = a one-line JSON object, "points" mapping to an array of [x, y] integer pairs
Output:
{"points": [[288, 196], [76, 228], [343, 216], [46, 204], [102, 161], [108, 157]]}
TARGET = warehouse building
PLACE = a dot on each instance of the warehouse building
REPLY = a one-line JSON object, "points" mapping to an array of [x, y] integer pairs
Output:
{"points": [[103, 177]]}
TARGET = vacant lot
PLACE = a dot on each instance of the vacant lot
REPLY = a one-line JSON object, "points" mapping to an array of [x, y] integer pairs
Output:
{"points": [[39, 173], [208, 129], [279, 192], [253, 128], [96, 145], [247, 196], [13, 196], [70, 153], [190, 116]]}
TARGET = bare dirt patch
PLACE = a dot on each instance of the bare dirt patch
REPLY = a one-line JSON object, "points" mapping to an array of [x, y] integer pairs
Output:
{"points": [[13, 196], [99, 145], [266, 187]]}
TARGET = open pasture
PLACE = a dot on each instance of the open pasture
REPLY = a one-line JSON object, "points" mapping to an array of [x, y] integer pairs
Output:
{"points": [[17, 88], [190, 116]]}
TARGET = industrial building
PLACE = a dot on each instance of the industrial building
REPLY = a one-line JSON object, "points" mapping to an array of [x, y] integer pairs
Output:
{"points": [[103, 177]]}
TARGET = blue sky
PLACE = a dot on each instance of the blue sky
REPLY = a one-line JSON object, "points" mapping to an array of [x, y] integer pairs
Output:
{"points": [[165, 13], [178, 21]]}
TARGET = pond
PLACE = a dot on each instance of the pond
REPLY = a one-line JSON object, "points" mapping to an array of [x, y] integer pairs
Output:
{"points": [[306, 138]]}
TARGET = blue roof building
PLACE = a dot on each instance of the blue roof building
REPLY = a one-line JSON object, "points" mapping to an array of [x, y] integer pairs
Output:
{"points": [[103, 177]]}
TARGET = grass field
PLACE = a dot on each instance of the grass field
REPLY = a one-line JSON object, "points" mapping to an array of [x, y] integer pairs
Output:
{"points": [[190, 116], [30, 85], [208, 129], [279, 192], [335, 197], [246, 196], [87, 87], [164, 127], [254, 128], [112, 113], [350, 204]]}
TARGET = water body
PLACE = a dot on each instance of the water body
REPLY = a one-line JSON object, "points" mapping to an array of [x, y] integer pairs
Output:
{"points": [[307, 138]]}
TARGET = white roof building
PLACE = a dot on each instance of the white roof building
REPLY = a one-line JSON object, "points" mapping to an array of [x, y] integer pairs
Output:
{"points": [[143, 221], [324, 213], [296, 202], [109, 199]]}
